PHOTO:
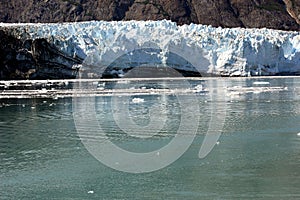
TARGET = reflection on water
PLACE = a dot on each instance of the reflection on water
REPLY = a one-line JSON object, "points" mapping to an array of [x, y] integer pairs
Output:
{"points": [[258, 154]]}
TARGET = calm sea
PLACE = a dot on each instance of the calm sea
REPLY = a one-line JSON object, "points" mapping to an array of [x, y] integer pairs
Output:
{"points": [[256, 157]]}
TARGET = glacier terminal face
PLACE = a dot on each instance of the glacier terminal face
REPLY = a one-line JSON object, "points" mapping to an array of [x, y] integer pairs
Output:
{"points": [[121, 45]]}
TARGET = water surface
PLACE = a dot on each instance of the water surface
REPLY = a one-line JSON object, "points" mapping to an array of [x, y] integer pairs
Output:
{"points": [[257, 156]]}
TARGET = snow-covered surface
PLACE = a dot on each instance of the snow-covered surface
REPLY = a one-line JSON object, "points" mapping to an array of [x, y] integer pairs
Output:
{"points": [[233, 52]]}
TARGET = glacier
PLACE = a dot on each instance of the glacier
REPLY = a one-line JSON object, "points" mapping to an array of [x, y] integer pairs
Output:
{"points": [[196, 48]]}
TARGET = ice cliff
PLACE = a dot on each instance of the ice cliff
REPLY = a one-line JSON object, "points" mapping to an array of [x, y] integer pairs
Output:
{"points": [[195, 48]]}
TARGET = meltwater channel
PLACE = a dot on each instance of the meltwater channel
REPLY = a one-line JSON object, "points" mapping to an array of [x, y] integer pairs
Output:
{"points": [[257, 155]]}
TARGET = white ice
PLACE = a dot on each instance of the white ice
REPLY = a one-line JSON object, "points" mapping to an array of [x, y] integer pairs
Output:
{"points": [[220, 51], [137, 100]]}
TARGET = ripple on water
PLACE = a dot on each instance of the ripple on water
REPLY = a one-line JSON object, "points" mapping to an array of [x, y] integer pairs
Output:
{"points": [[258, 156], [31, 137]]}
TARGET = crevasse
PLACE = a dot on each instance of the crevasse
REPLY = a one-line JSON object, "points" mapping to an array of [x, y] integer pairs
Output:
{"points": [[208, 50]]}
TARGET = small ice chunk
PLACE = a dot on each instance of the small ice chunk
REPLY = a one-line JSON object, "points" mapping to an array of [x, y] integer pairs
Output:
{"points": [[261, 83], [43, 90], [199, 87], [257, 91], [123, 81], [298, 134], [91, 192], [138, 100], [101, 84]]}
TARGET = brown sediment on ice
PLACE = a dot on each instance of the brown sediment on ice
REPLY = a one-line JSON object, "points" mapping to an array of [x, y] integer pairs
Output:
{"points": [[22, 58]]}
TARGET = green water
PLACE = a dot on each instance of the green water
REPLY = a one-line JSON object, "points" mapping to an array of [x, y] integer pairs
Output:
{"points": [[257, 157]]}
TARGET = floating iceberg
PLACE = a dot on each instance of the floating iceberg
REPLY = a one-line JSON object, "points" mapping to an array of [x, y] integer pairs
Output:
{"points": [[138, 100], [195, 48]]}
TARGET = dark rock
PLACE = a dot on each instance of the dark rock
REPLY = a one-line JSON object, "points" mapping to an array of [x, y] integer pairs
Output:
{"points": [[293, 8], [277, 14], [52, 63], [33, 59]]}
